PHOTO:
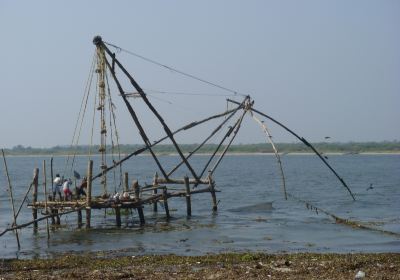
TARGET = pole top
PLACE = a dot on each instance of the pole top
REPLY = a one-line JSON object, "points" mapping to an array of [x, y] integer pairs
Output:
{"points": [[97, 40]]}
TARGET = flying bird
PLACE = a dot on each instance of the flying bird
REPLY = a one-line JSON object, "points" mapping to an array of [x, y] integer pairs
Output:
{"points": [[370, 187]]}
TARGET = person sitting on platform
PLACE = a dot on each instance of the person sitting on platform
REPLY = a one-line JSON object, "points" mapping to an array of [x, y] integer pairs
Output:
{"points": [[80, 190], [66, 189], [57, 186]]}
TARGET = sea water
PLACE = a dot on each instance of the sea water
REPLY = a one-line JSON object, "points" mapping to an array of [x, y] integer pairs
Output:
{"points": [[252, 215]]}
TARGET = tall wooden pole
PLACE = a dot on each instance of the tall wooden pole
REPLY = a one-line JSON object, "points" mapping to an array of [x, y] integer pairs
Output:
{"points": [[35, 191], [45, 197], [89, 193], [165, 198], [212, 191], [126, 182], [100, 44], [188, 202], [118, 216], [155, 184], [11, 198], [302, 139], [53, 221], [137, 197]]}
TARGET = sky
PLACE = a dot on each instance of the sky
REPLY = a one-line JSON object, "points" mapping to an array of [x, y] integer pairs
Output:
{"points": [[323, 68]]}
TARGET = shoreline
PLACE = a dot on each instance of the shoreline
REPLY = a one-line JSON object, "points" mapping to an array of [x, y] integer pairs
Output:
{"points": [[249, 265], [228, 154]]}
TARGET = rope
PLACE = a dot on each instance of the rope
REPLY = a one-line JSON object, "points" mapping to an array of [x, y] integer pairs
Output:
{"points": [[93, 120], [113, 124], [234, 92], [339, 220], [185, 93], [84, 101]]}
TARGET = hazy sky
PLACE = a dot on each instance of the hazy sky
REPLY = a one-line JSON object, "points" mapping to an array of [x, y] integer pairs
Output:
{"points": [[324, 68]]}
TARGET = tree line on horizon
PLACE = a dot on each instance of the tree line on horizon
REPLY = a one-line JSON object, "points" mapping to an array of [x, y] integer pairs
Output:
{"points": [[349, 147]]}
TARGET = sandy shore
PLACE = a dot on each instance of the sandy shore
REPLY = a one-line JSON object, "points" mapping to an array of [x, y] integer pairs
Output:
{"points": [[221, 266]]}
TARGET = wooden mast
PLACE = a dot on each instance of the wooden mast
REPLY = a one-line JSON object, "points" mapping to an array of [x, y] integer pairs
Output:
{"points": [[101, 72]]}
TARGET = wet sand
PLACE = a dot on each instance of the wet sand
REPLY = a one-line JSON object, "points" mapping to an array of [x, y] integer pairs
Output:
{"points": [[219, 266]]}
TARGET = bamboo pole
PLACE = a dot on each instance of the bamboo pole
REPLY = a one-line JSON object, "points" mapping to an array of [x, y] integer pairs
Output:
{"points": [[165, 198], [235, 132], [126, 182], [79, 218], [278, 158], [126, 188], [11, 198], [144, 148], [181, 181], [35, 191], [137, 197], [208, 138], [99, 44], [45, 197], [212, 191], [36, 220], [155, 183], [118, 216], [89, 193], [188, 202], [302, 139], [228, 133], [23, 200], [52, 188], [136, 121]]}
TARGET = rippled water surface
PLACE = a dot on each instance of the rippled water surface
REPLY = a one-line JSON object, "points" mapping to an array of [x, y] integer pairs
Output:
{"points": [[252, 213]]}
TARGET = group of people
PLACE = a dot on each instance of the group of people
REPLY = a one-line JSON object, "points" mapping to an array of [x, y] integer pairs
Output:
{"points": [[65, 186]]}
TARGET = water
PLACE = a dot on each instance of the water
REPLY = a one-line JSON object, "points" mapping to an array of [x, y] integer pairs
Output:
{"points": [[252, 213]]}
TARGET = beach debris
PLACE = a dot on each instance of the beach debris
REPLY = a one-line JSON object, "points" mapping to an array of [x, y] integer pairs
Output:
{"points": [[360, 275]]}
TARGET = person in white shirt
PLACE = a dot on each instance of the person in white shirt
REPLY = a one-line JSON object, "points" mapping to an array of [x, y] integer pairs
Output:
{"points": [[57, 186]]}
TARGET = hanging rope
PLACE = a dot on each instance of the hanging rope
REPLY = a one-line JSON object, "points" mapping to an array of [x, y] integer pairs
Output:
{"points": [[93, 122], [113, 130], [269, 137], [234, 92], [82, 110], [186, 93]]}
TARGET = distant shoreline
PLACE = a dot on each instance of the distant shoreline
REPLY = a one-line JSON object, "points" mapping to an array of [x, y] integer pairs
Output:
{"points": [[369, 148], [228, 154]]}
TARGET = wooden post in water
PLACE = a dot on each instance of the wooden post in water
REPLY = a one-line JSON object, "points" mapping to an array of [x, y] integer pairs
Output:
{"points": [[118, 215], [211, 184], [89, 193], [126, 182], [53, 221], [79, 219], [188, 202], [165, 198], [34, 200], [137, 197], [155, 184], [45, 197], [11, 198], [126, 189]]}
